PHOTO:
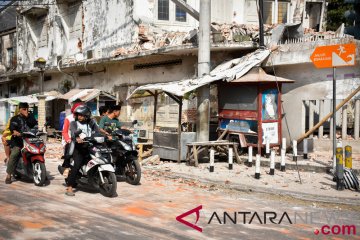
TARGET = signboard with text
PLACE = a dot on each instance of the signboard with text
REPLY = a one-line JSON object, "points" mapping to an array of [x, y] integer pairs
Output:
{"points": [[340, 55]]}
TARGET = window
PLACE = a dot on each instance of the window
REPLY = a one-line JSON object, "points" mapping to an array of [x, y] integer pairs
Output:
{"points": [[169, 11], [10, 57], [163, 9], [270, 12], [180, 15]]}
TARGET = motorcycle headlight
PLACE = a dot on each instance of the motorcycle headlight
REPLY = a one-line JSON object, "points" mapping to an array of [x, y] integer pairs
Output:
{"points": [[31, 149], [99, 139], [43, 148]]}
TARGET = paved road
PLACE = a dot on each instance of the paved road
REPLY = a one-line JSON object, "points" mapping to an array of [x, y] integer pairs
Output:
{"points": [[148, 211]]}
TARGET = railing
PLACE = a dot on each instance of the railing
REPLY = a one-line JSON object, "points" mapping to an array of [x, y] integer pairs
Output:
{"points": [[347, 119]]}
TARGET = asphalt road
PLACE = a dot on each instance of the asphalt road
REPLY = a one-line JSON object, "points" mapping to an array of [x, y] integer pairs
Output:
{"points": [[149, 211]]}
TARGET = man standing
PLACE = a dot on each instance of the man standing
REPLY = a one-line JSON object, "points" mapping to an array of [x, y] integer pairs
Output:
{"points": [[18, 124], [111, 119]]}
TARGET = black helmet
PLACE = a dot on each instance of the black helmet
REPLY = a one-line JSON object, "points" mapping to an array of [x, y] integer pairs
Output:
{"points": [[83, 110]]}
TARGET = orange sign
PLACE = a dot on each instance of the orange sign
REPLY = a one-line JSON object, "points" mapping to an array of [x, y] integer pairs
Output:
{"points": [[340, 55]]}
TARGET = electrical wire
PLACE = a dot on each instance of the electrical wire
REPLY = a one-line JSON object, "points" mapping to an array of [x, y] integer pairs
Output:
{"points": [[278, 88]]}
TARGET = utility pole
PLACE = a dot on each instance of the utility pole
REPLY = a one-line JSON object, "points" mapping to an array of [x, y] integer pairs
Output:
{"points": [[203, 93]]}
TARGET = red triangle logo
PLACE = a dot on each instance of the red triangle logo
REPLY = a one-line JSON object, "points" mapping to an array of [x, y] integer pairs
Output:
{"points": [[195, 210]]}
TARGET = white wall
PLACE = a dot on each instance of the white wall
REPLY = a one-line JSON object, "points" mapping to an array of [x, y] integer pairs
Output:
{"points": [[312, 84]]}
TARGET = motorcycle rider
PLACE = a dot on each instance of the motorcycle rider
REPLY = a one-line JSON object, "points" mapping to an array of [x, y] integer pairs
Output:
{"points": [[66, 136], [111, 118], [80, 154], [18, 124]]}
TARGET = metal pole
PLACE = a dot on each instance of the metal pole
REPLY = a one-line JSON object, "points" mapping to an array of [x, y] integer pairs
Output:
{"points": [[155, 107], [203, 93], [42, 81], [334, 118], [179, 130], [261, 23]]}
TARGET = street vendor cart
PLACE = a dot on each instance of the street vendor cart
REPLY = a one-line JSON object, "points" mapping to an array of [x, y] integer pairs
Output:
{"points": [[250, 109]]}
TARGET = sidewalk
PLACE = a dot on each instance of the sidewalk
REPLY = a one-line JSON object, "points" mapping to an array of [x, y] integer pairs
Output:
{"points": [[316, 184]]}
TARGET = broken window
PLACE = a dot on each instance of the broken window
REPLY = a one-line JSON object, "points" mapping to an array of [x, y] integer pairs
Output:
{"points": [[180, 14], [163, 9]]}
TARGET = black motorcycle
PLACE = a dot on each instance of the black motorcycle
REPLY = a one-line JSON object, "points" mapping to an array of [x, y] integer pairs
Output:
{"points": [[125, 156]]}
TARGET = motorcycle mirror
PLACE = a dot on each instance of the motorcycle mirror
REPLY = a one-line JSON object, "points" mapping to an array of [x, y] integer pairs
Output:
{"points": [[134, 122]]}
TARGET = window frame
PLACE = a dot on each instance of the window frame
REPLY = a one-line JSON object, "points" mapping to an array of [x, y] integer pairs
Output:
{"points": [[172, 15]]}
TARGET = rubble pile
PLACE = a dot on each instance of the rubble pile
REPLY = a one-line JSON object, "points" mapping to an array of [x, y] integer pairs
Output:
{"points": [[151, 38]]}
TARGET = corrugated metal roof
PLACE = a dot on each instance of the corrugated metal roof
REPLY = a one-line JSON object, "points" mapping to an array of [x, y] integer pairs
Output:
{"points": [[257, 74], [85, 95], [228, 71], [32, 99]]}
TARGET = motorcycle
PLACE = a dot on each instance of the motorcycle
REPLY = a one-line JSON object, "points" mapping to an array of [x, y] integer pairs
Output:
{"points": [[32, 161], [98, 172], [124, 154]]}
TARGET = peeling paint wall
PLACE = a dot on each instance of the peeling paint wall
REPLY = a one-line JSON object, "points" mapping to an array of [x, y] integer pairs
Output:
{"points": [[76, 30]]}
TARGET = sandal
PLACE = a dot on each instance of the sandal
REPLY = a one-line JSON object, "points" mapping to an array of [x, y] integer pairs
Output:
{"points": [[71, 194], [8, 180]]}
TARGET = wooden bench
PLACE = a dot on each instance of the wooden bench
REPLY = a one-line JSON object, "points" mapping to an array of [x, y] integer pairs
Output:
{"points": [[194, 148]]}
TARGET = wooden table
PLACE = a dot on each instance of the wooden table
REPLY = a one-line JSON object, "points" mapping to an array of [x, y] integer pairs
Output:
{"points": [[194, 148]]}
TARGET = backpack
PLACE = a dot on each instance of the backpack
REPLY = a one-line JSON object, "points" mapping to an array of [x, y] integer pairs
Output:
{"points": [[350, 179]]}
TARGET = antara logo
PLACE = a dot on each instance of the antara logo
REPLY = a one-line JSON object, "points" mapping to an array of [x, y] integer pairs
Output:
{"points": [[196, 210], [235, 218]]}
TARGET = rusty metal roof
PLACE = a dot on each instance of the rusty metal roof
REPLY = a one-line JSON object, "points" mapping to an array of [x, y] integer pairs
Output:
{"points": [[257, 74], [85, 95]]}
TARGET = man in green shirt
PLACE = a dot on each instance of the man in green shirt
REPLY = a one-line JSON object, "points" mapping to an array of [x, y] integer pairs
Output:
{"points": [[112, 118]]}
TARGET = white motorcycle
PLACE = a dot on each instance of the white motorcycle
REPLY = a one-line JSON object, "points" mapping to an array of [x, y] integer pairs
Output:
{"points": [[98, 171]]}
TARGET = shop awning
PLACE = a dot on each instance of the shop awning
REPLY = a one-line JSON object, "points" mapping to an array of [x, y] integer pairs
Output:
{"points": [[86, 95], [32, 99], [227, 71]]}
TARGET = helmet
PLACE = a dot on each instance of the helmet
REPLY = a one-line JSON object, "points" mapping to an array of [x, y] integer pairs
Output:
{"points": [[83, 110]]}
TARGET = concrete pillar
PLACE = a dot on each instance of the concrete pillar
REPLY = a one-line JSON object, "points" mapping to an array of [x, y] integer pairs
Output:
{"points": [[344, 123], [41, 112], [203, 93], [321, 116], [311, 115], [357, 119]]}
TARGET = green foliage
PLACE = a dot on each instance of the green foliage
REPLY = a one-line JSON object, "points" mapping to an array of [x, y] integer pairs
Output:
{"points": [[335, 14]]}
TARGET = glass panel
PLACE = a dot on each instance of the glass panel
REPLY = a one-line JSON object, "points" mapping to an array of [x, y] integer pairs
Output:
{"points": [[268, 12], [282, 12], [180, 14], [163, 9], [270, 104]]}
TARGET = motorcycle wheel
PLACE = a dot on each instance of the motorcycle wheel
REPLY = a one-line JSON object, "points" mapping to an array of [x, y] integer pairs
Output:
{"points": [[133, 172], [39, 173], [108, 189]]}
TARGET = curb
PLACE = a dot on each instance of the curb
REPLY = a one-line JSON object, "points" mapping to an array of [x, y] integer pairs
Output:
{"points": [[291, 165], [249, 189]]}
